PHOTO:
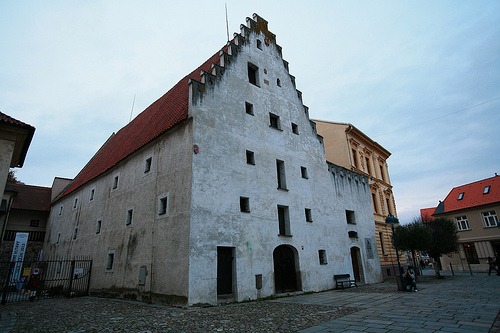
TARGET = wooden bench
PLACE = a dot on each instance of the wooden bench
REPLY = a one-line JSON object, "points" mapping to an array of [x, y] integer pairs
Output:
{"points": [[340, 279]]}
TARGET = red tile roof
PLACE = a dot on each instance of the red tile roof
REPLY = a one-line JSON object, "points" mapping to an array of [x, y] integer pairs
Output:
{"points": [[31, 197], [473, 195], [166, 112], [426, 214]]}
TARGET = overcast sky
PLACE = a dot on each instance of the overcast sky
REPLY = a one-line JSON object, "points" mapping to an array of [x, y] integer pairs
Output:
{"points": [[422, 78]]}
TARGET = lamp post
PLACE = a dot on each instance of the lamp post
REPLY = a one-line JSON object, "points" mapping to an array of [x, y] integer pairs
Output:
{"points": [[391, 220]]}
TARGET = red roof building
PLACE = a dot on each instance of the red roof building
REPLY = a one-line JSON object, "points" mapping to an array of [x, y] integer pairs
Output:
{"points": [[475, 208]]}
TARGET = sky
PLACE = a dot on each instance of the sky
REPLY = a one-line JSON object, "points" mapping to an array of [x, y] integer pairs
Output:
{"points": [[422, 78]]}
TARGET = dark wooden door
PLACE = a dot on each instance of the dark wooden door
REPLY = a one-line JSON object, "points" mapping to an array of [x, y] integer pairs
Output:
{"points": [[285, 275], [355, 264], [224, 270]]}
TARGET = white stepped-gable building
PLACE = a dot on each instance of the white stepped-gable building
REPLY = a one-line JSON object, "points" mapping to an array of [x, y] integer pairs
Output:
{"points": [[219, 191]]}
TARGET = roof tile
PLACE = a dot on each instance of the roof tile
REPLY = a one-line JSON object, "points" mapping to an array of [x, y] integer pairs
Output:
{"points": [[473, 195]]}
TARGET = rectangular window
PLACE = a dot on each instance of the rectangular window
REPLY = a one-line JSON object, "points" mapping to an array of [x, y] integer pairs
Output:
{"points": [[249, 108], [388, 205], [322, 257], [92, 195], [253, 74], [349, 215], [34, 223], [486, 190], [115, 181], [75, 203], [147, 166], [130, 215], [303, 171], [374, 200], [75, 233], [295, 129], [250, 157], [244, 205], [163, 205], [110, 260], [259, 44], [460, 196], [490, 219], [61, 210], [98, 227], [462, 223], [368, 170], [284, 221], [470, 253], [354, 158], [274, 121], [308, 215], [382, 173], [280, 169], [381, 237], [58, 238]]}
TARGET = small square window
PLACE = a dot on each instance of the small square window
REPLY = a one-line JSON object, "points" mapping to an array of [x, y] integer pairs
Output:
{"points": [[250, 157], [274, 121], [486, 190], [308, 215], [98, 227], [461, 196], [322, 257], [244, 205], [349, 215], [34, 223], [253, 74], [303, 171], [163, 205], [130, 215], [249, 108], [110, 260], [295, 129], [147, 166]]}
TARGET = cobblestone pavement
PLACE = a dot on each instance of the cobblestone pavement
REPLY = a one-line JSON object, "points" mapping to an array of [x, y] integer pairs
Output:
{"points": [[460, 303]]}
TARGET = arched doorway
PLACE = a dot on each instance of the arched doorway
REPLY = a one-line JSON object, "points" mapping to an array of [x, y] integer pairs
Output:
{"points": [[357, 266], [285, 273]]}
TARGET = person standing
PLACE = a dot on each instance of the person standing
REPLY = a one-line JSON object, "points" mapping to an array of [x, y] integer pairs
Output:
{"points": [[491, 264]]}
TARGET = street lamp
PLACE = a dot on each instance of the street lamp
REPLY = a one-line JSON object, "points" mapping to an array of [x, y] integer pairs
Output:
{"points": [[391, 220]]}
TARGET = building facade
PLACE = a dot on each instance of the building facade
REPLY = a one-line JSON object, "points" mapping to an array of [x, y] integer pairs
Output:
{"points": [[219, 191], [347, 146], [474, 207]]}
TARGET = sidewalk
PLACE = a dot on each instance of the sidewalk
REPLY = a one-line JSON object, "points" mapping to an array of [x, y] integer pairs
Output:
{"points": [[460, 303]]}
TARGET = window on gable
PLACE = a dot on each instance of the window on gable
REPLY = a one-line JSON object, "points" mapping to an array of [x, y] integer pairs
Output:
{"points": [[295, 129], [462, 223], [322, 257], [259, 44], [244, 205], [280, 170], [163, 205], [130, 216], [284, 221], [490, 218], [110, 260], [249, 108], [147, 166], [349, 215], [460, 196], [303, 172], [98, 227], [274, 121], [486, 189], [308, 214], [250, 157], [253, 74]]}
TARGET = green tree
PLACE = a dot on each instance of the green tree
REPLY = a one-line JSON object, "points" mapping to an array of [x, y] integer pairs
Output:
{"points": [[11, 177], [412, 237], [444, 239]]}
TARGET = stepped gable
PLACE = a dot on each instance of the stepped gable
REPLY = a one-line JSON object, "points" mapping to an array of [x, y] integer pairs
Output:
{"points": [[166, 112], [172, 108]]}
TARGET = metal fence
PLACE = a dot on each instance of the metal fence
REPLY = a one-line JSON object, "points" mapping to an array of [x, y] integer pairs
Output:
{"points": [[30, 280]]}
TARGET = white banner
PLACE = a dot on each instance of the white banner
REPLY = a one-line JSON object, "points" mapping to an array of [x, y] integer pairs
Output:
{"points": [[18, 254]]}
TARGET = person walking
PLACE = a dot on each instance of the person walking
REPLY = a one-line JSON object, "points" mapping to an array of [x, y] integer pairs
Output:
{"points": [[491, 263]]}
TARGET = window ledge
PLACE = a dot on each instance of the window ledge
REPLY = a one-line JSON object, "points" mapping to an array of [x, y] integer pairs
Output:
{"points": [[282, 189], [289, 236], [275, 128]]}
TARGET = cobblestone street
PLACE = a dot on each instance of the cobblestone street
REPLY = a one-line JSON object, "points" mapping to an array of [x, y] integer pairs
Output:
{"points": [[459, 303]]}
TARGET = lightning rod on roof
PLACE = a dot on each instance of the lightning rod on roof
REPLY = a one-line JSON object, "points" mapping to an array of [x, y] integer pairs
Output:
{"points": [[132, 110], [227, 24]]}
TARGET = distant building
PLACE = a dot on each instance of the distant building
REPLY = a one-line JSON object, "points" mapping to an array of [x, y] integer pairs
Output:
{"points": [[474, 207], [28, 214], [426, 214], [347, 146], [219, 191]]}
